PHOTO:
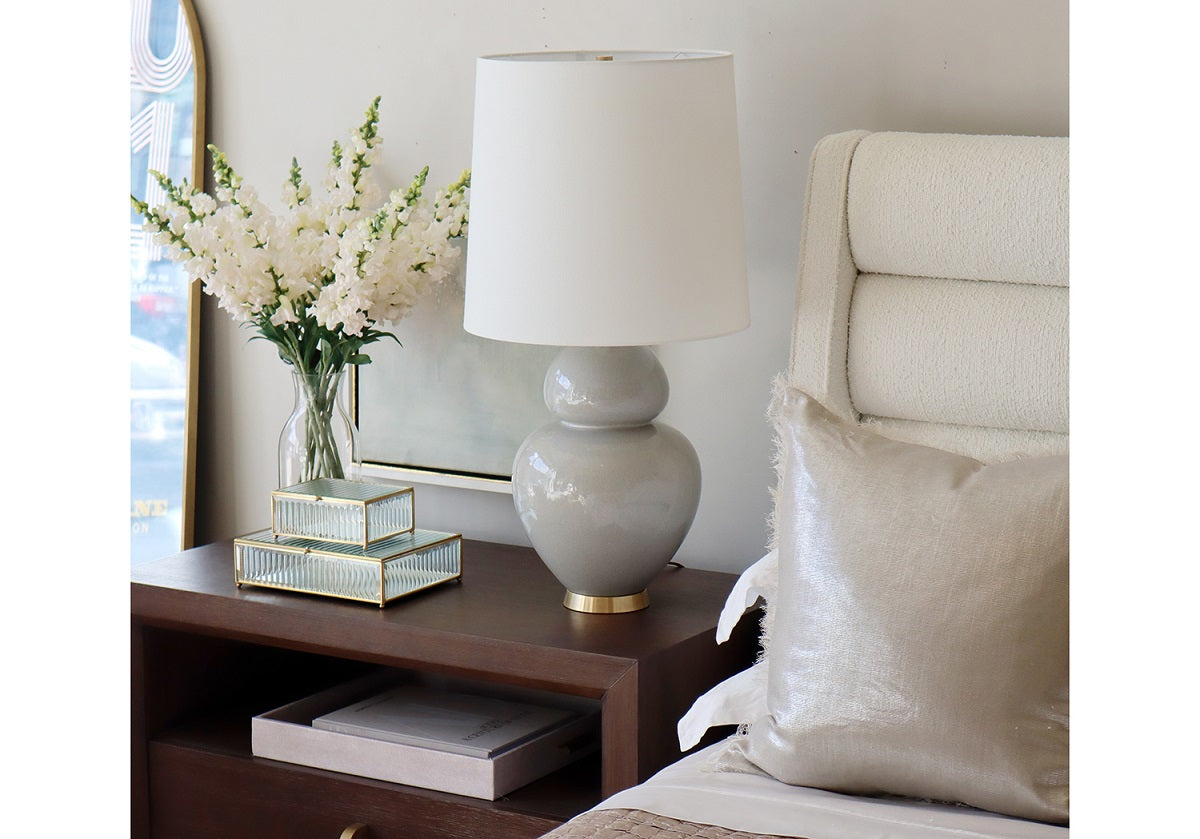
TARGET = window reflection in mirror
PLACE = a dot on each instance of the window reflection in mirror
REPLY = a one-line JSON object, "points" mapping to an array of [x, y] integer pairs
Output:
{"points": [[166, 86]]}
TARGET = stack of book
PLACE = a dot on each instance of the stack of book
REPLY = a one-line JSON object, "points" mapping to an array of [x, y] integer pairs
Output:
{"points": [[348, 539], [456, 739]]}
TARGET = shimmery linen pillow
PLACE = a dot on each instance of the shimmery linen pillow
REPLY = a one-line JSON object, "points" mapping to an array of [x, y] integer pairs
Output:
{"points": [[920, 644]]}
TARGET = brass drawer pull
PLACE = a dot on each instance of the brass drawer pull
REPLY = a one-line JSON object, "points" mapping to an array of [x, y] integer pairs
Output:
{"points": [[356, 831]]}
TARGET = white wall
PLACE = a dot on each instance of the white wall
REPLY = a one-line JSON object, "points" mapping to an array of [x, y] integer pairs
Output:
{"points": [[286, 77]]}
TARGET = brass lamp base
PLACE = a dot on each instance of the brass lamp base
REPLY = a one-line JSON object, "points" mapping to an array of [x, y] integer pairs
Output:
{"points": [[606, 605]]}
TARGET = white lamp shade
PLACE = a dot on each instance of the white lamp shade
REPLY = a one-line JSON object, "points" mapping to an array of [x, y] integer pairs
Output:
{"points": [[606, 204]]}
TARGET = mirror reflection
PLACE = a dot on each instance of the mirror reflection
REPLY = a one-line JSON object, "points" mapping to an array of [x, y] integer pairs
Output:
{"points": [[165, 135]]}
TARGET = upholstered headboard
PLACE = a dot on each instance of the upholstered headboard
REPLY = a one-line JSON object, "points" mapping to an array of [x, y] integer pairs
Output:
{"points": [[931, 306], [926, 308]]}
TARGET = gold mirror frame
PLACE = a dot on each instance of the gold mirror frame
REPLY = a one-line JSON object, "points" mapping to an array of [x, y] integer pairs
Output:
{"points": [[156, 82]]}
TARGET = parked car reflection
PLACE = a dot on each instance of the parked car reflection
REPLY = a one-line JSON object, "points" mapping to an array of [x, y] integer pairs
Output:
{"points": [[158, 394]]}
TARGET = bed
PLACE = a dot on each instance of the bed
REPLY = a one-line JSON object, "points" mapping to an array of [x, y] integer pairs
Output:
{"points": [[913, 679]]}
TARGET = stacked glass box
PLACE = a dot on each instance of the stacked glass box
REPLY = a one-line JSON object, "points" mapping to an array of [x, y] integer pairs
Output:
{"points": [[347, 512], [348, 539]]}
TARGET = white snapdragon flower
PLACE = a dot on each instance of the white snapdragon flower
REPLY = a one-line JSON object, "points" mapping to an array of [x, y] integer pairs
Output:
{"points": [[332, 265], [198, 267], [203, 204], [368, 192], [285, 313], [178, 217], [293, 195]]}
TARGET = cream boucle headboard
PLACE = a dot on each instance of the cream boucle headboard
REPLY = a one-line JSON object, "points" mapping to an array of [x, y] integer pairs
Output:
{"points": [[932, 306], [932, 301]]}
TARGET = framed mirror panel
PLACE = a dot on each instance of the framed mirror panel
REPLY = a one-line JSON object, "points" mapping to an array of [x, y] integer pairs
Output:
{"points": [[166, 134]]}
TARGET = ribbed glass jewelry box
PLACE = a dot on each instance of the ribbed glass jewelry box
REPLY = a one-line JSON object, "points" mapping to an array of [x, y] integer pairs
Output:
{"points": [[386, 570], [347, 539], [337, 510]]}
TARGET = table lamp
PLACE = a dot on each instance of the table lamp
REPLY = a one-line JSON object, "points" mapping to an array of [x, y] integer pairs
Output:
{"points": [[606, 217]]}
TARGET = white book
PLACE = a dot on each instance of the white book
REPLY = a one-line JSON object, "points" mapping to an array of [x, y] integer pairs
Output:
{"points": [[459, 723]]}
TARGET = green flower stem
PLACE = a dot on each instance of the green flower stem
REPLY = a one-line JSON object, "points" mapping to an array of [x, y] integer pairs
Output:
{"points": [[321, 456]]}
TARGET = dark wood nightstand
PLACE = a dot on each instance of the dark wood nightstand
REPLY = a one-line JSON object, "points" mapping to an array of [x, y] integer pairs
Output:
{"points": [[207, 656]]}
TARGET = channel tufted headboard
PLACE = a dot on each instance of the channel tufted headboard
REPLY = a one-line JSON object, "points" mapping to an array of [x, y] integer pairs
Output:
{"points": [[926, 308]]}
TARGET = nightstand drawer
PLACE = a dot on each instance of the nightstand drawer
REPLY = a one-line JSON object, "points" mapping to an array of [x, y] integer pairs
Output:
{"points": [[191, 800]]}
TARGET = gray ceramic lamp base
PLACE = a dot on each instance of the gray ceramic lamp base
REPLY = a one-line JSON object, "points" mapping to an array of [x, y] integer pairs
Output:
{"points": [[605, 494]]}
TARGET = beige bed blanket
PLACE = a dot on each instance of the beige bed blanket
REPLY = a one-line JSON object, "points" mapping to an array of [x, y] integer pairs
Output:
{"points": [[689, 799], [638, 824]]}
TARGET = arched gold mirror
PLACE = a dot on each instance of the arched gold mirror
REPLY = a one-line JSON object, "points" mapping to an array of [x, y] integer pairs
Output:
{"points": [[166, 134]]}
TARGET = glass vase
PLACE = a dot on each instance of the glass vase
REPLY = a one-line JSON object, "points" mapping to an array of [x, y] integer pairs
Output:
{"points": [[319, 439]]}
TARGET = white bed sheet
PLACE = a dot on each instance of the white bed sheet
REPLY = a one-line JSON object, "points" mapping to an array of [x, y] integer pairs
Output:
{"points": [[758, 804]]}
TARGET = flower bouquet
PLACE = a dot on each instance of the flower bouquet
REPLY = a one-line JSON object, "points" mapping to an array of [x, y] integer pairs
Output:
{"points": [[318, 279]]}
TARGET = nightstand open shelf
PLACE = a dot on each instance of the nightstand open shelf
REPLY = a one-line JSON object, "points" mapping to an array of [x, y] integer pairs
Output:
{"points": [[207, 656]]}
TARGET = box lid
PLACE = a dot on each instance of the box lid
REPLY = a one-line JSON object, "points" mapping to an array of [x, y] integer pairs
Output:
{"points": [[340, 489]]}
